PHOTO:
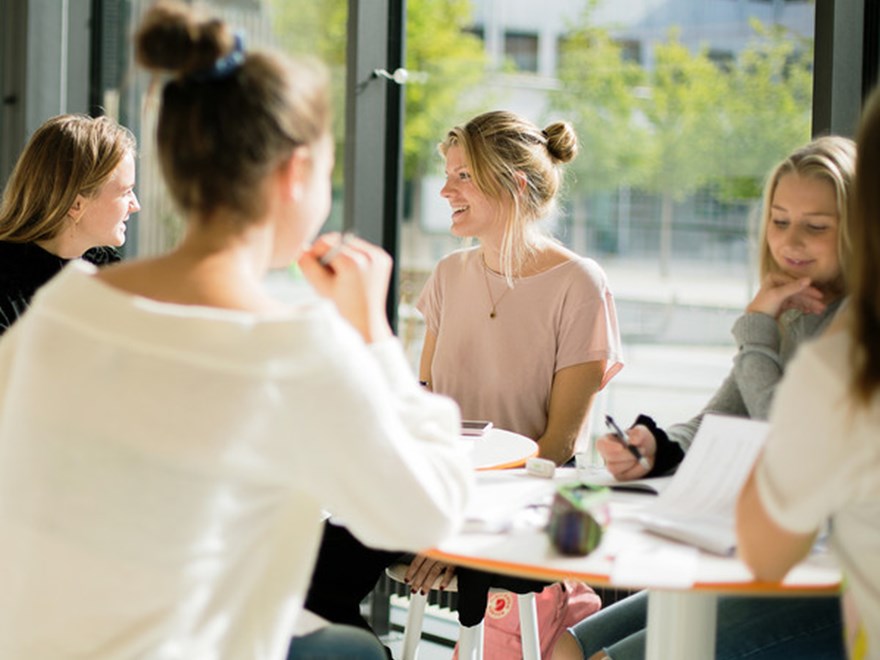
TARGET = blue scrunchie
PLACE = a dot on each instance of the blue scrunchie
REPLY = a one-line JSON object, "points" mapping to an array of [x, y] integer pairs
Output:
{"points": [[224, 66]]}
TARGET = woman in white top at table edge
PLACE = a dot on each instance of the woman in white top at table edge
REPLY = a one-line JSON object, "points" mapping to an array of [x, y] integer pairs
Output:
{"points": [[171, 432], [821, 461]]}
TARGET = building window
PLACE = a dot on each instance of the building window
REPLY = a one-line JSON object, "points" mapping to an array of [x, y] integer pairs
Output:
{"points": [[723, 59], [522, 49], [477, 31], [630, 50], [675, 139]]}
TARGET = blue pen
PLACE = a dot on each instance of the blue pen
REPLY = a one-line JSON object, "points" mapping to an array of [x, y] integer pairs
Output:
{"points": [[621, 437]]}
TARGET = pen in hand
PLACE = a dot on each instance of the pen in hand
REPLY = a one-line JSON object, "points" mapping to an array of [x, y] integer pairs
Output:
{"points": [[618, 434], [330, 254]]}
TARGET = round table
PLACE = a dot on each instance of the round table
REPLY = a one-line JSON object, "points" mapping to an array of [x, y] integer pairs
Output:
{"points": [[498, 449]]}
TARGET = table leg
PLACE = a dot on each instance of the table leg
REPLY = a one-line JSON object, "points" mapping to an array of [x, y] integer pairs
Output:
{"points": [[681, 625]]}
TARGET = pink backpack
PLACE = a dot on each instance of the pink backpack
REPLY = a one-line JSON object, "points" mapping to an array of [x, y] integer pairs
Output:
{"points": [[560, 606]]}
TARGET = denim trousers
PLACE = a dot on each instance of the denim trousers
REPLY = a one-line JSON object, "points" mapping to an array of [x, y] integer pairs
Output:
{"points": [[748, 627], [337, 642]]}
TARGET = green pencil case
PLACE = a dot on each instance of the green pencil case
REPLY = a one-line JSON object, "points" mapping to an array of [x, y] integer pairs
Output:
{"points": [[578, 517]]}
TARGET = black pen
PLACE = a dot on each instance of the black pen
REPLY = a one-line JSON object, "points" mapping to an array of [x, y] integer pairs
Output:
{"points": [[618, 433]]}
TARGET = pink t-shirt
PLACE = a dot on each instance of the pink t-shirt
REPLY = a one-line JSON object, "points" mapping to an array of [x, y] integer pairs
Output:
{"points": [[502, 368]]}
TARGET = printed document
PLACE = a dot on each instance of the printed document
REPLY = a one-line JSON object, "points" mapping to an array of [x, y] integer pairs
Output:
{"points": [[698, 505]]}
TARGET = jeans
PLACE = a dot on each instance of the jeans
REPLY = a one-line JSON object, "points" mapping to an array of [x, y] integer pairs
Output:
{"points": [[337, 642], [754, 628]]}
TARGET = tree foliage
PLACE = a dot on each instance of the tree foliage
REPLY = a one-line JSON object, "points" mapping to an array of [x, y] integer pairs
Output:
{"points": [[444, 58], [452, 62], [686, 121], [685, 127], [599, 95], [768, 108]]}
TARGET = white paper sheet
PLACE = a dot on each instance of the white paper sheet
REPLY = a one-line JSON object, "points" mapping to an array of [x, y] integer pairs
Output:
{"points": [[698, 505]]}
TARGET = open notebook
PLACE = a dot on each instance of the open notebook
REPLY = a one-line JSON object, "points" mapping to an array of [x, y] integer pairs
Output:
{"points": [[698, 505]]}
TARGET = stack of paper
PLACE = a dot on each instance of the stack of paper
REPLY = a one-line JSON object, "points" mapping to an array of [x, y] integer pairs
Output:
{"points": [[698, 506]]}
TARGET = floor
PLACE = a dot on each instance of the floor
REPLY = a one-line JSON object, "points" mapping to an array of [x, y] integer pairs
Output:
{"points": [[427, 650], [439, 622]]}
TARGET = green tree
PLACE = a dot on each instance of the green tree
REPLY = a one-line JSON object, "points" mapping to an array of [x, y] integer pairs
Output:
{"points": [[599, 96], [768, 109], [687, 122], [448, 62], [318, 29], [656, 130], [687, 92], [444, 59]]}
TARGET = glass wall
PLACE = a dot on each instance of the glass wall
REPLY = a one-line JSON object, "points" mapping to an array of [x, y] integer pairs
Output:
{"points": [[298, 27], [681, 107]]}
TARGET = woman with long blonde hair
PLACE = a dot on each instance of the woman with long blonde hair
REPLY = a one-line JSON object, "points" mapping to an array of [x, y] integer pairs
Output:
{"points": [[804, 249], [820, 466], [70, 196]]}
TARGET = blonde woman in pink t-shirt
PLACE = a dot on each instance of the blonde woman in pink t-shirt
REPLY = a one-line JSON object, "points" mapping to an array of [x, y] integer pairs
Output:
{"points": [[521, 331]]}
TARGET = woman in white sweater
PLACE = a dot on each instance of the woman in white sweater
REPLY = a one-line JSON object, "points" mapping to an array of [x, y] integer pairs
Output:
{"points": [[170, 433], [820, 465]]}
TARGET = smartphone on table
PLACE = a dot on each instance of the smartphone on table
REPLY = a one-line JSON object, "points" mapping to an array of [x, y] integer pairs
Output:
{"points": [[475, 427]]}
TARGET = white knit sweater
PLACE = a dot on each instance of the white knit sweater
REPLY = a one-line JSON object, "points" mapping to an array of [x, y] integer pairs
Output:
{"points": [[163, 469]]}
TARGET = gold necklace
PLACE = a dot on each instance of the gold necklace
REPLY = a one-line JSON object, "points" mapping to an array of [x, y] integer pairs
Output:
{"points": [[492, 300]]}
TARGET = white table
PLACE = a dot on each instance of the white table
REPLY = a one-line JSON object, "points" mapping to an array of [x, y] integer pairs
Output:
{"points": [[683, 594], [498, 449]]}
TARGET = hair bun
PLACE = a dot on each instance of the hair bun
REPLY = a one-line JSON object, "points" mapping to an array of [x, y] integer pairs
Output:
{"points": [[561, 141], [172, 37]]}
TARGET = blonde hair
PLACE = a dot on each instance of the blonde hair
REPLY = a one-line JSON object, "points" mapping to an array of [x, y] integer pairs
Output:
{"points": [[512, 160], [832, 159], [68, 155], [863, 271], [223, 129]]}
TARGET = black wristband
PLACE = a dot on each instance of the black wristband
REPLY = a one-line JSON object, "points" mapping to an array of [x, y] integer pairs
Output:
{"points": [[668, 455]]}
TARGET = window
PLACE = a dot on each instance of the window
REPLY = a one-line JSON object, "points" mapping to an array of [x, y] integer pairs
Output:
{"points": [[630, 50], [477, 31], [723, 59], [295, 26], [522, 49], [665, 203]]}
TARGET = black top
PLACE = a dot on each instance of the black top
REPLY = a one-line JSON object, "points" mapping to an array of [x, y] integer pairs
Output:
{"points": [[25, 267]]}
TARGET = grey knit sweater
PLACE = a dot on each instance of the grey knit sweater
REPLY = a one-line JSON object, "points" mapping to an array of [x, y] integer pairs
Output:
{"points": [[765, 347]]}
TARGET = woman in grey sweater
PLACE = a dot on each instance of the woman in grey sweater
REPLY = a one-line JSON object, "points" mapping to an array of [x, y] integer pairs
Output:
{"points": [[804, 240]]}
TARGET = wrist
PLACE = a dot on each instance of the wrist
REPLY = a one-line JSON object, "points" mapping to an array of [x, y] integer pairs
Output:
{"points": [[375, 332], [667, 455], [757, 308]]}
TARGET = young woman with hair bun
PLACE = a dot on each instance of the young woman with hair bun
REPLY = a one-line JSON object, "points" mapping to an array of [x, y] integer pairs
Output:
{"points": [[521, 331], [172, 433]]}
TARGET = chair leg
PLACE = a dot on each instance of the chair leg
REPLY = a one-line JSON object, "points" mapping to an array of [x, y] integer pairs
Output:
{"points": [[470, 642], [528, 625], [412, 635]]}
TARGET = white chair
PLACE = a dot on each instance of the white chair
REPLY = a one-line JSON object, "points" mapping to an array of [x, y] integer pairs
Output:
{"points": [[470, 639]]}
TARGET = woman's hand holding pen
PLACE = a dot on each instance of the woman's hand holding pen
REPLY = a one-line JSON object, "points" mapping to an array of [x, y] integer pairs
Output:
{"points": [[780, 292], [354, 274], [620, 461]]}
